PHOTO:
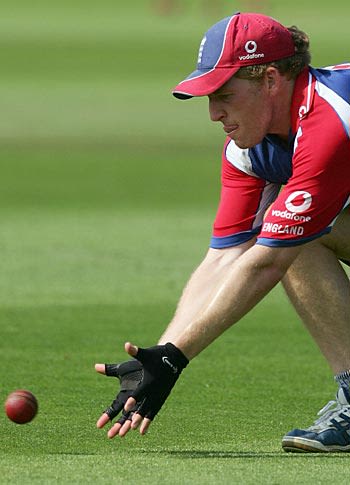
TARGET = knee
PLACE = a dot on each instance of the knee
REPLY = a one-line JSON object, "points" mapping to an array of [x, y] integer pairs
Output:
{"points": [[338, 240]]}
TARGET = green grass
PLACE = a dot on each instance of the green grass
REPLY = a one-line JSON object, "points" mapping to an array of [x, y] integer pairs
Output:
{"points": [[108, 190]]}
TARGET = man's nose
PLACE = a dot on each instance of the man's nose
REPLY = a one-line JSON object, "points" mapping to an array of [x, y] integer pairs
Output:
{"points": [[215, 111]]}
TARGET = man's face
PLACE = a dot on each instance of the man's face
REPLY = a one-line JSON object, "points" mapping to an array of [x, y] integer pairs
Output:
{"points": [[245, 110]]}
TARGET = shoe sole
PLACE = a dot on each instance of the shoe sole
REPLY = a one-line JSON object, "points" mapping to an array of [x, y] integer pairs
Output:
{"points": [[303, 445]]}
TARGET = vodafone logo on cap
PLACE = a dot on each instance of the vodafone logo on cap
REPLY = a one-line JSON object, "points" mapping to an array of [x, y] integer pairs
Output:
{"points": [[298, 201], [251, 46]]}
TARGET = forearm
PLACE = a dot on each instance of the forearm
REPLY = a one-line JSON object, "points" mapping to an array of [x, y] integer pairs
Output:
{"points": [[231, 294], [202, 288]]}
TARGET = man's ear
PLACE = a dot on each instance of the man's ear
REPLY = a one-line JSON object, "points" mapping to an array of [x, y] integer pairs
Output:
{"points": [[272, 77]]}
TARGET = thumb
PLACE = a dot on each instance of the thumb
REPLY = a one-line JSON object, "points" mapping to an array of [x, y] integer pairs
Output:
{"points": [[131, 349], [100, 368]]}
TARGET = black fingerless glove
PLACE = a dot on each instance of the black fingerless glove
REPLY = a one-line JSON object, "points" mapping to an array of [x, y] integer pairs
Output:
{"points": [[162, 366], [130, 375]]}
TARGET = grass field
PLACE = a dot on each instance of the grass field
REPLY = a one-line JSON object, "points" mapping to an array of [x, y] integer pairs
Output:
{"points": [[108, 190]]}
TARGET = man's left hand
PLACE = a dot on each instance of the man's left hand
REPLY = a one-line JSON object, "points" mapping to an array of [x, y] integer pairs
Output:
{"points": [[162, 366]]}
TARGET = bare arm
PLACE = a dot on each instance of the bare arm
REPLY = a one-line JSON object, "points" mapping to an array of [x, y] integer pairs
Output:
{"points": [[202, 287], [226, 285], [222, 290]]}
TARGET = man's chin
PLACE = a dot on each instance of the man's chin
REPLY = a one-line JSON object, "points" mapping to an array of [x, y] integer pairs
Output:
{"points": [[243, 144]]}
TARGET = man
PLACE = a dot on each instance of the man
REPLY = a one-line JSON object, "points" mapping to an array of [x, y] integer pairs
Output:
{"points": [[288, 125]]}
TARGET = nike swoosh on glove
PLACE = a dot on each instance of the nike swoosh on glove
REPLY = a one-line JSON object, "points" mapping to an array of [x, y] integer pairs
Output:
{"points": [[162, 366]]}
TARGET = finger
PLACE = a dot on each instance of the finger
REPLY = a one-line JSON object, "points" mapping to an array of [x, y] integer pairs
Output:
{"points": [[145, 425], [130, 404], [125, 428], [131, 349], [100, 368], [119, 429], [104, 419], [136, 420], [114, 430]]}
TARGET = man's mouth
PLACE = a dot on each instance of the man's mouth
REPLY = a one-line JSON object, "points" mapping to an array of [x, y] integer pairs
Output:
{"points": [[230, 129]]}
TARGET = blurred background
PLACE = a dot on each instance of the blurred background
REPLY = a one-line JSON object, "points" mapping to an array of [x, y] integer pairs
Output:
{"points": [[98, 161]]}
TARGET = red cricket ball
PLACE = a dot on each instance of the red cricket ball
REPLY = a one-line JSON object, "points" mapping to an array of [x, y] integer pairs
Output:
{"points": [[21, 406]]}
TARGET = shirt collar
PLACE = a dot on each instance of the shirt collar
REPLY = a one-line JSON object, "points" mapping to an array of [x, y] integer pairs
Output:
{"points": [[302, 97]]}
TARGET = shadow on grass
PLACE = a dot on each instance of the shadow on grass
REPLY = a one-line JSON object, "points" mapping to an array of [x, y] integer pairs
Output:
{"points": [[214, 454], [198, 454]]}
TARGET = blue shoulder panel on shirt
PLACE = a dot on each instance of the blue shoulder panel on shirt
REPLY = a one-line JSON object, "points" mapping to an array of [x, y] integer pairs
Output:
{"points": [[338, 80]]}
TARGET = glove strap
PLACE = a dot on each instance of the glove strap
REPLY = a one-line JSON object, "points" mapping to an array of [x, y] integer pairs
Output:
{"points": [[176, 357]]}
